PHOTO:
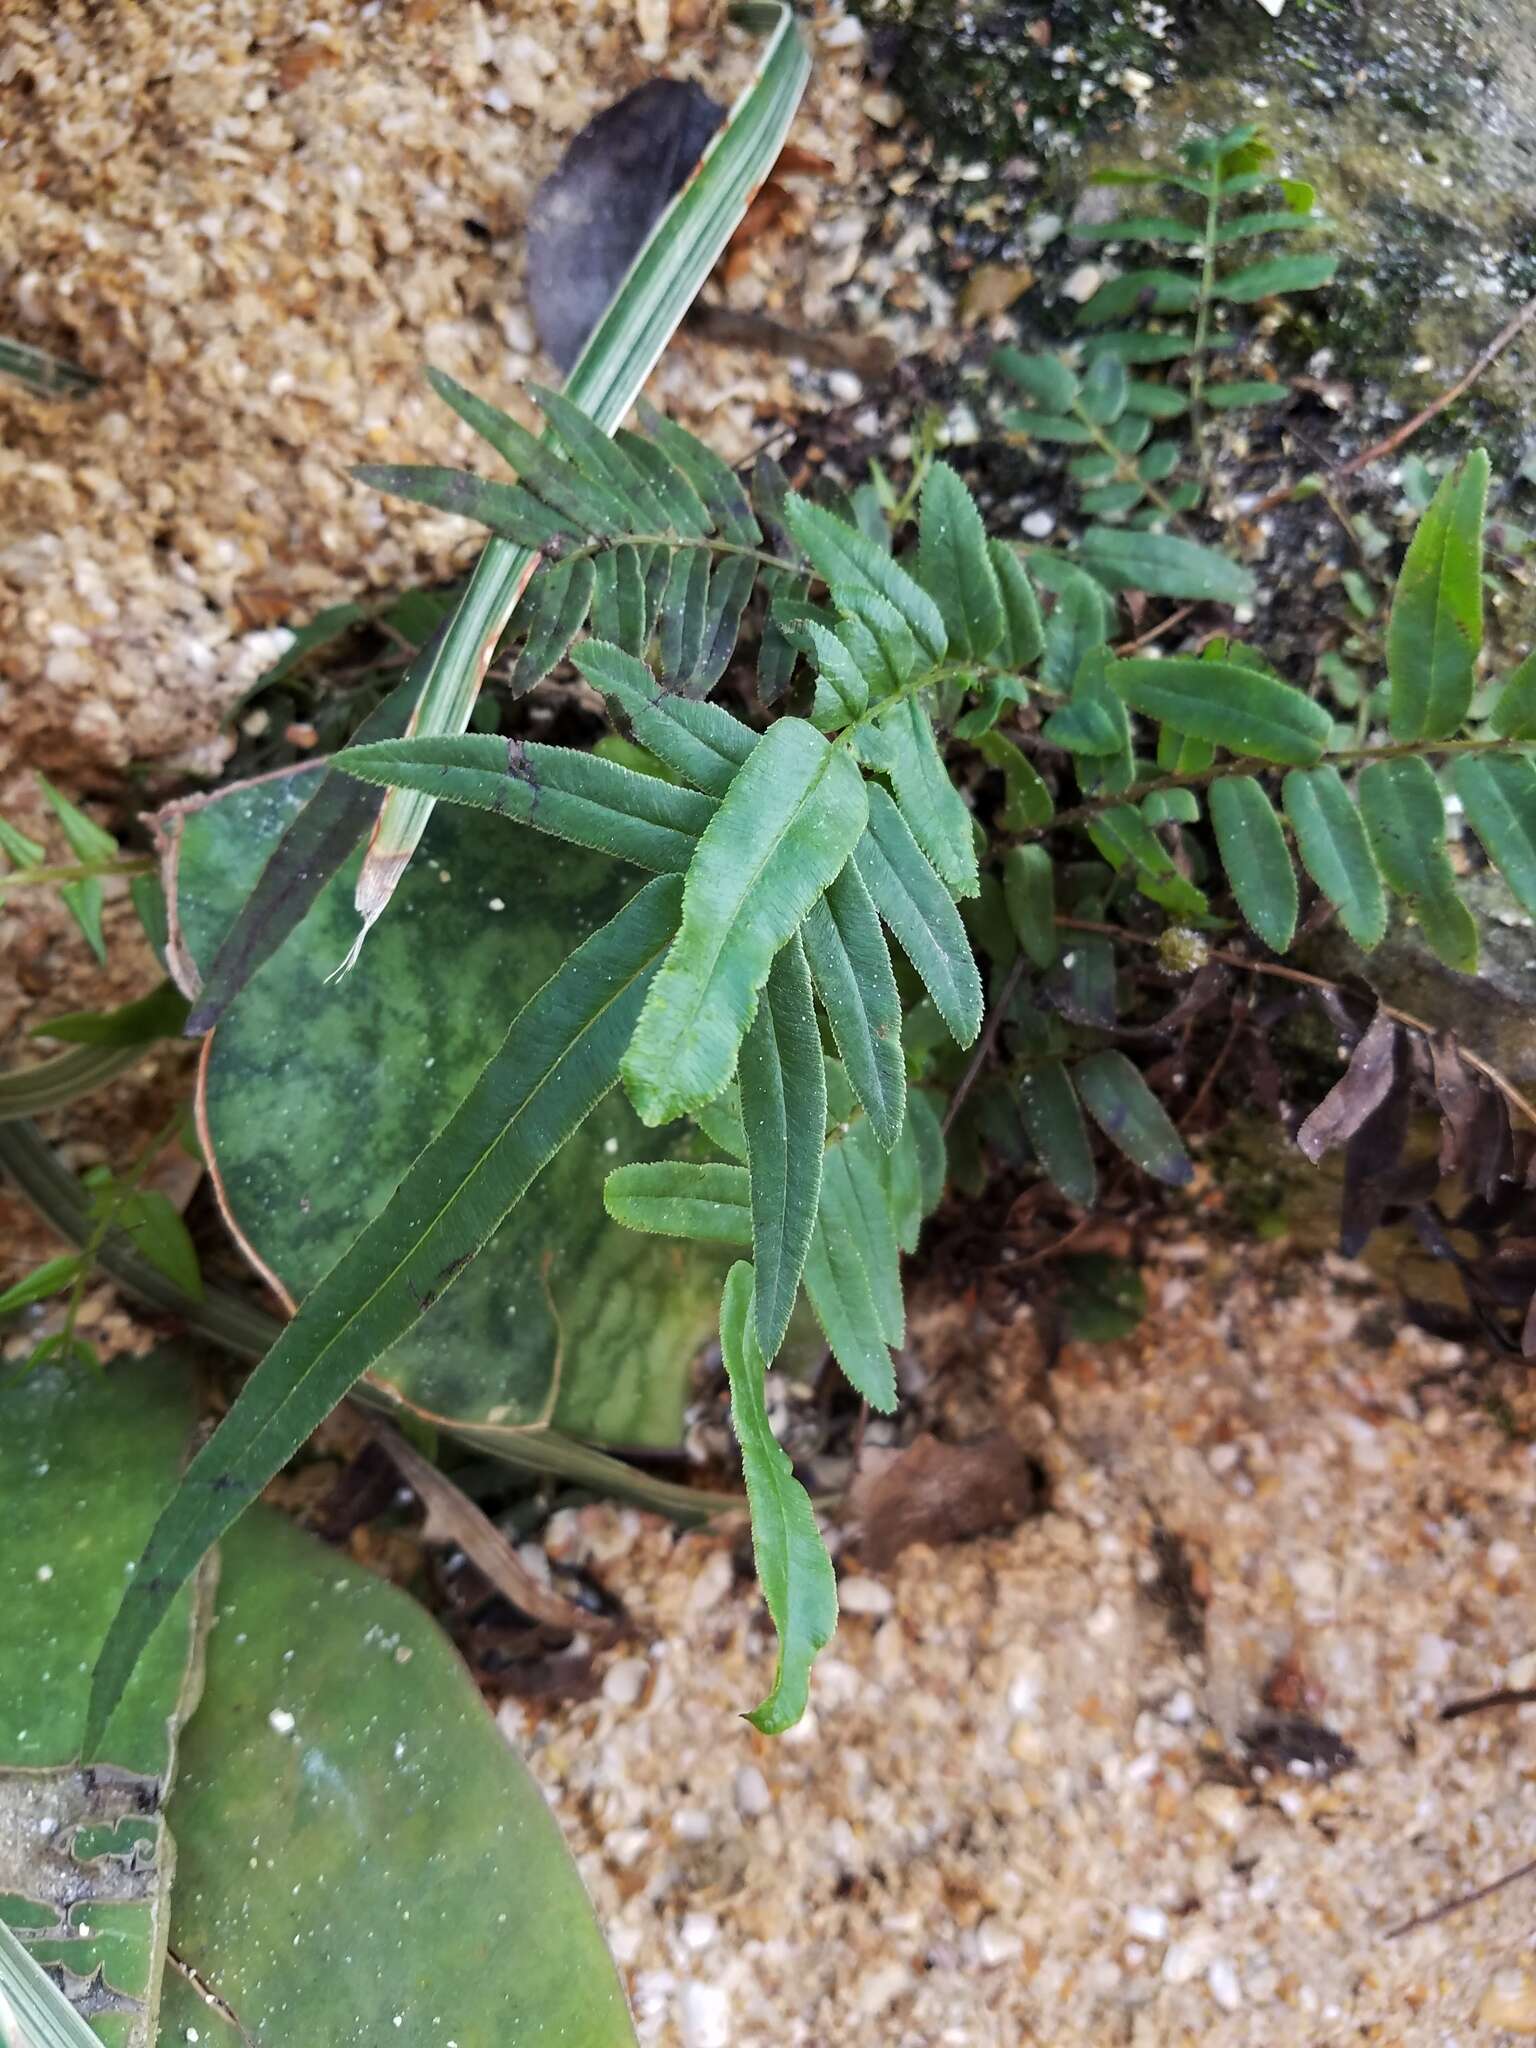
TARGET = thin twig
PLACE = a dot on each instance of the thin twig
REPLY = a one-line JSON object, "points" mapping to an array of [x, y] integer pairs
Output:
{"points": [[1506, 1696], [1489, 1073], [1457, 1905], [1156, 632], [1509, 332]]}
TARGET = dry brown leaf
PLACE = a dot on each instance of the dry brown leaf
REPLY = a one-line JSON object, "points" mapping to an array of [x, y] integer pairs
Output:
{"points": [[992, 288], [941, 1493], [1361, 1089]]}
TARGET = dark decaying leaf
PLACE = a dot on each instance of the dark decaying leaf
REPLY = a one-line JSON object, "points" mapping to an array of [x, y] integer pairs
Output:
{"points": [[590, 217], [1374, 1177], [1457, 1093], [933, 1492], [1359, 1091]]}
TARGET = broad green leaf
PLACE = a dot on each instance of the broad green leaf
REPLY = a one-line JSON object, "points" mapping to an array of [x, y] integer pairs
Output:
{"points": [[701, 742], [1156, 401], [843, 688], [841, 555], [676, 1198], [1335, 851], [1229, 397], [851, 968], [1131, 1117], [1029, 891], [793, 1568], [720, 1121], [1105, 388], [899, 653], [587, 506], [783, 1092], [902, 1179], [344, 1792], [1514, 713], [50, 1278], [1141, 292], [506, 509], [731, 584], [1138, 347], [1436, 628], [1241, 709], [955, 566], [558, 1060], [1113, 501], [900, 743], [859, 1160], [1171, 807], [18, 848], [1027, 801], [1278, 274], [837, 1285], [1404, 814], [1093, 721], [1023, 639], [928, 1133], [1253, 851], [1047, 379], [1165, 565], [921, 916], [1498, 795], [560, 790], [553, 611], [1124, 837], [680, 626], [1285, 220], [790, 819], [683, 509], [599, 458], [1054, 1121]]}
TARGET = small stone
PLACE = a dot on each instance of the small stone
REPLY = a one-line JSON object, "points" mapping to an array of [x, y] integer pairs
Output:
{"points": [[1147, 1923], [883, 108], [992, 288], [1083, 283], [1025, 1743], [1221, 1982], [1520, 1676], [625, 1846], [698, 1930], [864, 1596], [1510, 2003], [624, 1682], [753, 1799], [845, 386], [1503, 1558], [843, 33], [1184, 1961], [692, 1824], [704, 2016], [1038, 524], [995, 1943]]}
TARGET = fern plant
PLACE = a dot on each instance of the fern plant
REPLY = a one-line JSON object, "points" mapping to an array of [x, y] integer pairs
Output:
{"points": [[752, 984], [1142, 436]]}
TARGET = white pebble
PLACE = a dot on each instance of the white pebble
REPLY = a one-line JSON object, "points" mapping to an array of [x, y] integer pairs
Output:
{"points": [[1183, 1961], [692, 1824], [1503, 1558], [864, 1596], [1221, 1982], [280, 1721], [842, 34], [995, 1943], [753, 1799], [1038, 524], [1083, 283], [698, 1930], [44, 1573], [624, 1682], [704, 2016], [845, 386], [1147, 1923]]}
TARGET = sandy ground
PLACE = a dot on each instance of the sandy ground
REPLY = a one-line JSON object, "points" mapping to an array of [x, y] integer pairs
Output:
{"points": [[1031, 1804]]}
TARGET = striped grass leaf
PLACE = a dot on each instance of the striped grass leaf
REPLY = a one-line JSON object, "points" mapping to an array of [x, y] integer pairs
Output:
{"points": [[1404, 814], [1336, 852], [1131, 1117], [921, 916], [1241, 709], [559, 1058], [676, 1198], [560, 790], [1436, 628], [789, 820], [1498, 795], [701, 742], [1251, 841], [954, 566], [793, 1567], [783, 1090], [846, 559], [851, 968], [619, 355]]}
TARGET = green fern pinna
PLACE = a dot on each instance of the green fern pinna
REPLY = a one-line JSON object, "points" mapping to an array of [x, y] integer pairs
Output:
{"points": [[810, 864]]}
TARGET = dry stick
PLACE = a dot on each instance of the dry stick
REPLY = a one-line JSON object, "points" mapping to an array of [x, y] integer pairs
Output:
{"points": [[453, 1517], [1485, 1891], [1489, 1073], [1156, 632], [1506, 1696], [1510, 331]]}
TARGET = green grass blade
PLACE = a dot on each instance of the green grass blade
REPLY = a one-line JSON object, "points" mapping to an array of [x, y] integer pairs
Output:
{"points": [[784, 1115], [559, 1058], [789, 820], [793, 1567], [618, 357], [34, 2013]]}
